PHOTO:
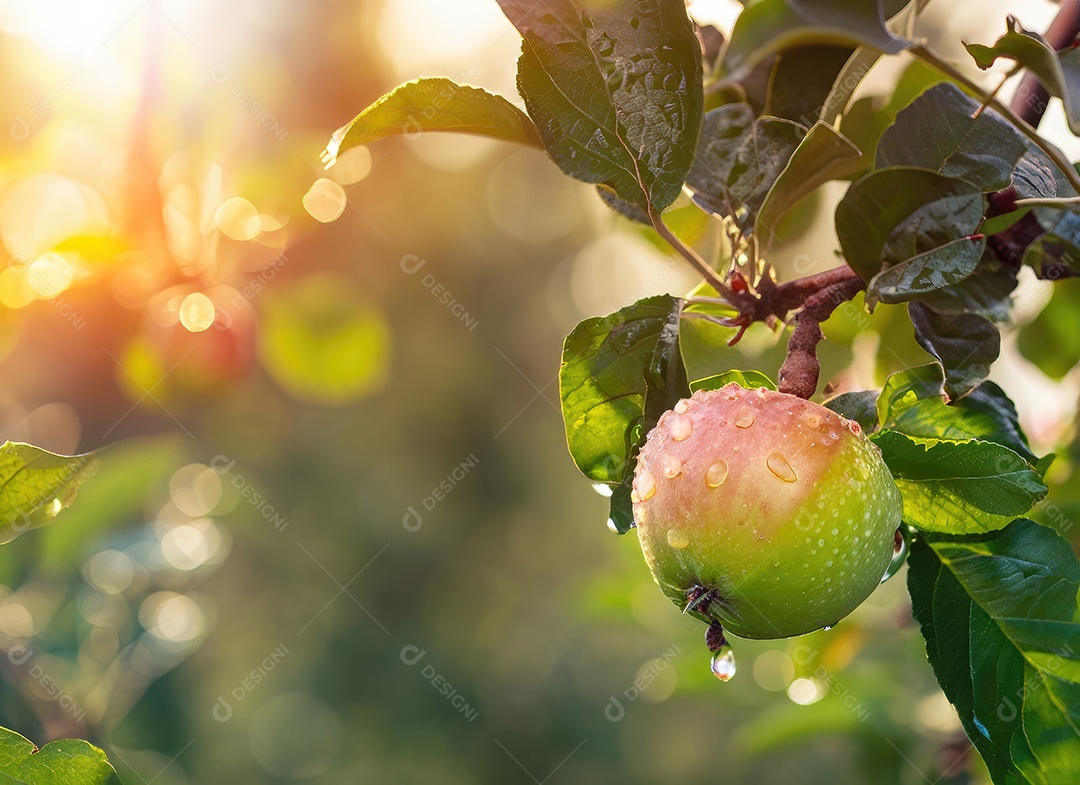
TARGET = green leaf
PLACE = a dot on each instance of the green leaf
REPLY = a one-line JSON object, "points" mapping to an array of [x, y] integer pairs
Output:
{"points": [[770, 26], [959, 487], [892, 215], [824, 154], [615, 89], [847, 81], [1059, 74], [965, 344], [940, 130], [865, 120], [925, 272], [985, 292], [1052, 341], [738, 160], [36, 485], [619, 374], [999, 615], [802, 79], [1055, 254], [747, 379], [426, 105], [859, 406], [64, 762], [913, 402]]}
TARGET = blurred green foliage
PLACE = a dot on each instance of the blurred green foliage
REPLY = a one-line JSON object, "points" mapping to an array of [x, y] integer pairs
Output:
{"points": [[417, 586]]}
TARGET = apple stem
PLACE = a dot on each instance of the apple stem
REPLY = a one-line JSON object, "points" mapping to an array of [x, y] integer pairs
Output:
{"points": [[801, 369], [714, 637]]}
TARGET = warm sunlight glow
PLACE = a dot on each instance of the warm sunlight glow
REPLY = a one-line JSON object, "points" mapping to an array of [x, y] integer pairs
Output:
{"points": [[197, 312], [325, 201]]}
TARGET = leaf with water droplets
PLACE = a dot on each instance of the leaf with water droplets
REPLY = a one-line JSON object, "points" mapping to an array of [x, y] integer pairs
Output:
{"points": [[35, 486], [738, 159], [999, 614], [911, 219], [615, 88], [619, 374], [965, 344]]}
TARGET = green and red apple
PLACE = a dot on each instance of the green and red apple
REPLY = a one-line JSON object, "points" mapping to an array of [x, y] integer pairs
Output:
{"points": [[763, 511]]}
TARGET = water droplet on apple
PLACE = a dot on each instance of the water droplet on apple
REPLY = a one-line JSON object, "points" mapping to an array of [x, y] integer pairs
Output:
{"points": [[671, 466], [680, 427], [779, 466], [677, 539], [682, 406], [723, 664], [645, 487], [716, 474], [745, 420]]}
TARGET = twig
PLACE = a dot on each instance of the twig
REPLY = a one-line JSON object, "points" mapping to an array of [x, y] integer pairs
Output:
{"points": [[1052, 152], [801, 369], [688, 253], [1031, 98]]}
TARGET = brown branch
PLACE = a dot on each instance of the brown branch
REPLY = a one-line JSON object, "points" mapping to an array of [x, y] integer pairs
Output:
{"points": [[800, 371]]}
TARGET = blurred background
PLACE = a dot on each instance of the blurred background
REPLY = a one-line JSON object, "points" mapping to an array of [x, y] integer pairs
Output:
{"points": [[337, 536]]}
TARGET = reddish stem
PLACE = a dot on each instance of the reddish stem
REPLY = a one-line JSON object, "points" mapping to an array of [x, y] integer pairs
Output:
{"points": [[800, 371]]}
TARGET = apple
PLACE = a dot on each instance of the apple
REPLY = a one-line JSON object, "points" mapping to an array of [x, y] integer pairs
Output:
{"points": [[767, 513]]}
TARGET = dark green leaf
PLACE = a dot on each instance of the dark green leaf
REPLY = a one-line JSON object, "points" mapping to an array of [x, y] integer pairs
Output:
{"points": [[1037, 176], [618, 375], [747, 379], [738, 160], [64, 762], [1052, 341], [913, 402], [1060, 74], [965, 344], [1056, 254], [770, 26], [858, 406], [615, 89], [623, 207], [621, 514], [802, 80], [985, 292], [35, 486], [426, 105], [823, 155], [939, 130], [925, 272], [866, 120], [959, 487], [847, 81], [891, 215], [999, 614]]}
